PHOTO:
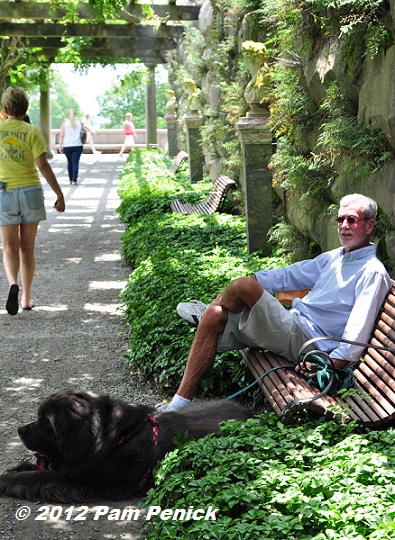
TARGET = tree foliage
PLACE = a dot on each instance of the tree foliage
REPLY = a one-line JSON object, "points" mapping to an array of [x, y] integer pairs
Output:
{"points": [[61, 102], [128, 95]]}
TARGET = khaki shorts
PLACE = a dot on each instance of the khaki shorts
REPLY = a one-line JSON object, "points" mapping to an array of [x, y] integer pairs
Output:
{"points": [[268, 325]]}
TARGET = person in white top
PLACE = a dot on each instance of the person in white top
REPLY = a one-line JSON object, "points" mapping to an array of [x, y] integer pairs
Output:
{"points": [[86, 122], [70, 144]]}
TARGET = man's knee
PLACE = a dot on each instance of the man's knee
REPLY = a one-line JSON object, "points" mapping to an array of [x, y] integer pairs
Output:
{"points": [[247, 289], [215, 317]]}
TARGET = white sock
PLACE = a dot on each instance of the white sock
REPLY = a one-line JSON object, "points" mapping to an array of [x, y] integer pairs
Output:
{"points": [[179, 402]]}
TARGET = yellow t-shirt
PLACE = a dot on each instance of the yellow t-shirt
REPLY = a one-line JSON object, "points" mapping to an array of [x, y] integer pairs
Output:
{"points": [[20, 144]]}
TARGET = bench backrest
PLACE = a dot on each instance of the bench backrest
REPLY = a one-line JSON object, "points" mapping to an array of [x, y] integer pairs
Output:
{"points": [[178, 161], [371, 401], [375, 374]]}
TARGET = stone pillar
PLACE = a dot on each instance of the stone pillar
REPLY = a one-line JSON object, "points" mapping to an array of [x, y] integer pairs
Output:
{"points": [[171, 121], [257, 147], [45, 119], [193, 124], [150, 107]]}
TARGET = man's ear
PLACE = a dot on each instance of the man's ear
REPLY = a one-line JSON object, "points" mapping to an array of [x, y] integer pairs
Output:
{"points": [[370, 225]]}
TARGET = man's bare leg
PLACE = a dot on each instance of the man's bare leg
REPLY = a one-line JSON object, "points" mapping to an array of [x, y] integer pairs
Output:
{"points": [[240, 293]]}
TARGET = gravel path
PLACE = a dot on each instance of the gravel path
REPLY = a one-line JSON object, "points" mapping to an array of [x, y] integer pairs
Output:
{"points": [[74, 337]]}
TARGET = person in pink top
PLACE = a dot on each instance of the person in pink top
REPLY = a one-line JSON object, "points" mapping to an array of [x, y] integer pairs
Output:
{"points": [[129, 134]]}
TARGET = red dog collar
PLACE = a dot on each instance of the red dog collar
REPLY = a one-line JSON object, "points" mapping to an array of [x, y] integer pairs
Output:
{"points": [[155, 438]]}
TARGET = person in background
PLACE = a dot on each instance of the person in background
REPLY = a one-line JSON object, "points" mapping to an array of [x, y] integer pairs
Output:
{"points": [[22, 150], [70, 144], [129, 134], [86, 122]]}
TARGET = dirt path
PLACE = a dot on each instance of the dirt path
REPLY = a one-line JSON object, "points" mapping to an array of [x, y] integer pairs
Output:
{"points": [[74, 337]]}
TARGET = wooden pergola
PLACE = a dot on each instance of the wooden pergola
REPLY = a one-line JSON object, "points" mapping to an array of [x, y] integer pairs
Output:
{"points": [[128, 36]]}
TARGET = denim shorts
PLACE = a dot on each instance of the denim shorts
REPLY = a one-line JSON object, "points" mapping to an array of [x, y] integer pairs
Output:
{"points": [[22, 205], [268, 325]]}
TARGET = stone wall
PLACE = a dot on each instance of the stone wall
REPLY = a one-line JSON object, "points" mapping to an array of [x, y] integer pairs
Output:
{"points": [[110, 141], [374, 93]]}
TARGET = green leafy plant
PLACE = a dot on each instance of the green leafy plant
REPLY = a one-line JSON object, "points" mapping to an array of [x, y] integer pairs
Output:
{"points": [[289, 243], [310, 481]]}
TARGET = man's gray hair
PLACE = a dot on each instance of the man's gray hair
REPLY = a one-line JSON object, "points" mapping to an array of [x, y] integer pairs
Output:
{"points": [[369, 205]]}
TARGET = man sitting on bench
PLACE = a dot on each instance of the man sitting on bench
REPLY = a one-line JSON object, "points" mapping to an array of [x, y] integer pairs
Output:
{"points": [[347, 288]]}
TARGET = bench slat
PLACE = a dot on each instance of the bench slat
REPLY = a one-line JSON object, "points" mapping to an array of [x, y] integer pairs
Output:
{"points": [[359, 411], [373, 402], [365, 377]]}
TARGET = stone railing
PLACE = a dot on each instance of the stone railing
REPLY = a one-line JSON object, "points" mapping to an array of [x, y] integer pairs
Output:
{"points": [[109, 141]]}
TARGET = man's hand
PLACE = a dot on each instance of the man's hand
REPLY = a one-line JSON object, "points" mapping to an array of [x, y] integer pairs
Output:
{"points": [[308, 369]]}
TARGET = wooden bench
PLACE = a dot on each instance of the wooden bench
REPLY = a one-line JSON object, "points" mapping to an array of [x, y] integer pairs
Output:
{"points": [[178, 161], [371, 401], [213, 203]]}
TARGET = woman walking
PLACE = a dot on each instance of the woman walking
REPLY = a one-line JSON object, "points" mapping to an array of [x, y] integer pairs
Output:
{"points": [[22, 150], [129, 134], [70, 144]]}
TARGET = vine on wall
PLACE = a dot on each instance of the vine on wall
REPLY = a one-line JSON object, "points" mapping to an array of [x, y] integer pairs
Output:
{"points": [[316, 140], [212, 61]]}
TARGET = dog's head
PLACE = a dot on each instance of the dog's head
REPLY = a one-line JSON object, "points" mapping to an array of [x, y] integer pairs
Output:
{"points": [[63, 429], [74, 428]]}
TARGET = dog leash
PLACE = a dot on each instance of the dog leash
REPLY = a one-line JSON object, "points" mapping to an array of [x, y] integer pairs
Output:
{"points": [[325, 367]]}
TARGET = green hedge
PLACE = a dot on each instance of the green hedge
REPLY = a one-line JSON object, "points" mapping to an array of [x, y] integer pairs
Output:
{"points": [[175, 258]]}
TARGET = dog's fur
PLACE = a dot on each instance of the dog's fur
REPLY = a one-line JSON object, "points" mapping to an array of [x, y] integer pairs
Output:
{"points": [[97, 448]]}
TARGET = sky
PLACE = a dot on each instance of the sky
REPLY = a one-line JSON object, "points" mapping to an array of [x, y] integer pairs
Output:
{"points": [[87, 86]]}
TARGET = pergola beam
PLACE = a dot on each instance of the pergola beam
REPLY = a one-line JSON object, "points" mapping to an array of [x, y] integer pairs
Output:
{"points": [[146, 56], [100, 30], [118, 44], [43, 10]]}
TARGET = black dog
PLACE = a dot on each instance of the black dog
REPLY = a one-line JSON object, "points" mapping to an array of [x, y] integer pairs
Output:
{"points": [[94, 447]]}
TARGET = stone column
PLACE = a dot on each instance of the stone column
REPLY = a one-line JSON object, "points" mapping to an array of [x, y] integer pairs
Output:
{"points": [[257, 147], [171, 121], [45, 119], [193, 124], [150, 107]]}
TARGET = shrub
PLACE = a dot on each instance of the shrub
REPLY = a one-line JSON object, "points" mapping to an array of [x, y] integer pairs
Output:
{"points": [[312, 481], [175, 258]]}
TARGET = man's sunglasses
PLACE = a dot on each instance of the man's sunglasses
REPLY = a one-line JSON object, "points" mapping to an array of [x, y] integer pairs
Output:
{"points": [[351, 220]]}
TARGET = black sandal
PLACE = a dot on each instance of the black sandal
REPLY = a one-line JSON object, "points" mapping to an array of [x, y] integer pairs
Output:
{"points": [[12, 304]]}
